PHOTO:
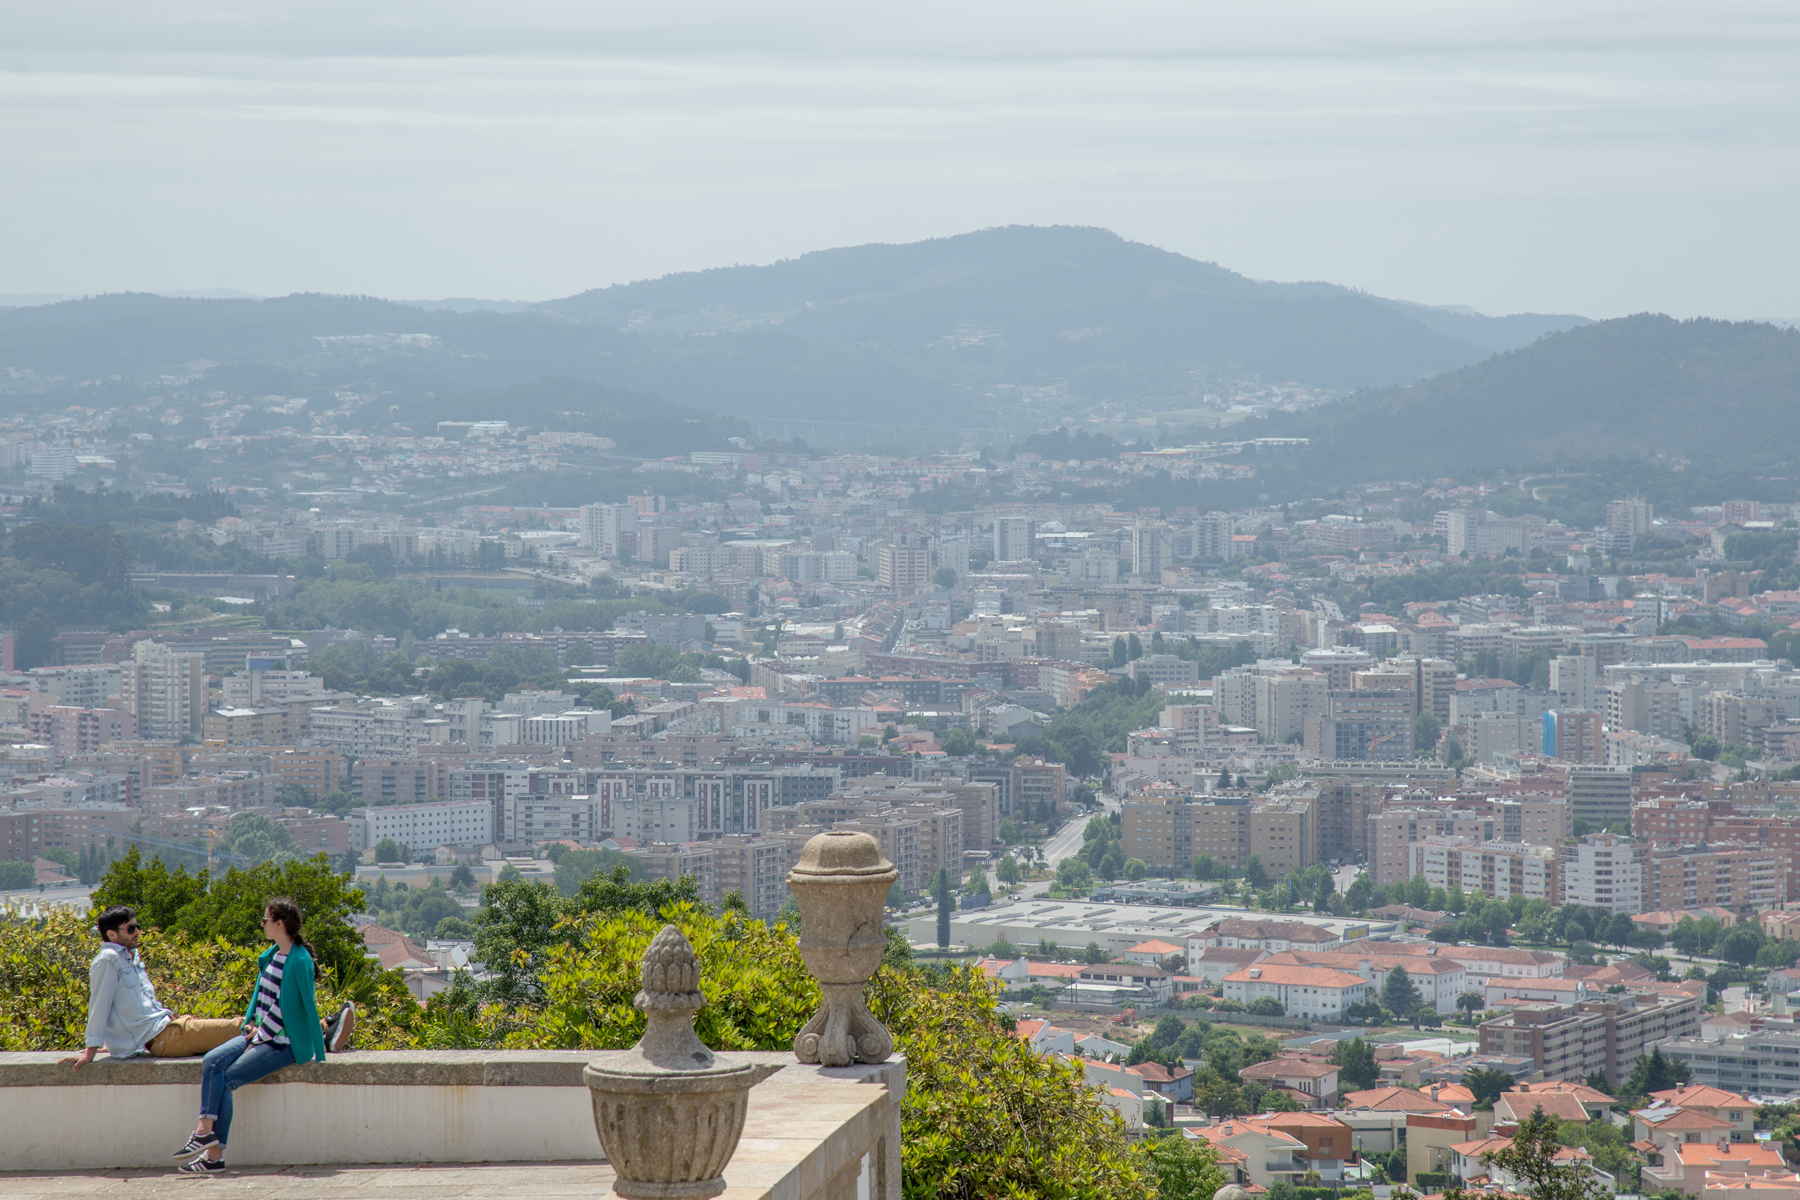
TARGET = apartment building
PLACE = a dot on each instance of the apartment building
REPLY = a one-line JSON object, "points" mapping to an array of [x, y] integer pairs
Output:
{"points": [[1534, 821], [1041, 784], [755, 867], [315, 771], [940, 836], [89, 685], [1604, 870], [1737, 717], [1221, 829], [1363, 723], [1157, 825], [1743, 879], [1284, 833], [423, 826], [901, 567], [1755, 1062], [899, 840], [1344, 807], [671, 861], [1643, 706], [164, 691], [1574, 735], [1599, 795], [533, 817], [1284, 699], [1498, 869], [1574, 1041], [1393, 831], [406, 780], [71, 730]]}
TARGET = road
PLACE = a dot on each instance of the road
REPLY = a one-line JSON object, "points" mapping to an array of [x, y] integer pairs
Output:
{"points": [[1065, 842]]}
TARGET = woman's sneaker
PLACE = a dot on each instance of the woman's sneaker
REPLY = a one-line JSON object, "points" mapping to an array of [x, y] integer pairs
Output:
{"points": [[339, 1028], [200, 1143], [205, 1166]]}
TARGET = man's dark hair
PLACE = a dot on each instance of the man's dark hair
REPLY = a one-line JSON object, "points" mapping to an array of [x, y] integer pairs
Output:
{"points": [[112, 918]]}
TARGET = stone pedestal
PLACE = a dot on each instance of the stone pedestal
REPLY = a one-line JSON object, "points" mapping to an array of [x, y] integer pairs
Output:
{"points": [[841, 885], [669, 1111]]}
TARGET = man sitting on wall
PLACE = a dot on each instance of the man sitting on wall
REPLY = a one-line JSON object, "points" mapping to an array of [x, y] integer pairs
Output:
{"points": [[125, 1018]]}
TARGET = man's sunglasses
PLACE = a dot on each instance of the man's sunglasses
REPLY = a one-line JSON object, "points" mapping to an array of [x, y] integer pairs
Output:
{"points": [[132, 928]]}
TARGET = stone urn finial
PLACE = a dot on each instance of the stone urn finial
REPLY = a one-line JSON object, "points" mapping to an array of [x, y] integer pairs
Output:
{"points": [[841, 885], [669, 1111]]}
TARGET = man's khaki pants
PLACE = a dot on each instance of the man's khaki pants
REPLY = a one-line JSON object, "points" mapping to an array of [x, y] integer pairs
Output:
{"points": [[187, 1036]]}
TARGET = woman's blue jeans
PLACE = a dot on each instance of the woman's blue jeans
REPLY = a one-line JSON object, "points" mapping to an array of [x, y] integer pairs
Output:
{"points": [[227, 1068]]}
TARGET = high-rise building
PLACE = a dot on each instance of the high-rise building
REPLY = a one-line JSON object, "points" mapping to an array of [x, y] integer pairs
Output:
{"points": [[1157, 826], [1015, 539], [165, 692], [607, 529], [1212, 536], [1629, 517], [1221, 829], [1284, 833], [1599, 795], [903, 566], [753, 866], [1284, 700], [1604, 870], [1362, 723], [1574, 679], [1152, 549], [1574, 736]]}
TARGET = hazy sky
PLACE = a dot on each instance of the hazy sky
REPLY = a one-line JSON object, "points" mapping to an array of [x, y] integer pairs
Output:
{"points": [[1599, 158]]}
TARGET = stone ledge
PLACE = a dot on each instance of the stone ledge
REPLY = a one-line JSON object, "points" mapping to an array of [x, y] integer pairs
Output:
{"points": [[811, 1132], [363, 1068]]}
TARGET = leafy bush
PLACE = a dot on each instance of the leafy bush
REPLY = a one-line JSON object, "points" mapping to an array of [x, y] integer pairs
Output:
{"points": [[231, 907], [44, 984]]}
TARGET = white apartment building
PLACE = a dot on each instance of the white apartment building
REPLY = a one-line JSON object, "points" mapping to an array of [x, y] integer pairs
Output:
{"points": [[376, 731], [1604, 870], [1574, 679], [604, 527], [424, 826], [88, 685], [165, 691], [1284, 700], [1015, 539], [1498, 869], [539, 818], [648, 819], [1303, 991]]}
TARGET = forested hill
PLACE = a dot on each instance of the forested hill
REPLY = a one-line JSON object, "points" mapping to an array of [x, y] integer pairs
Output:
{"points": [[1030, 304], [916, 334], [1720, 394]]}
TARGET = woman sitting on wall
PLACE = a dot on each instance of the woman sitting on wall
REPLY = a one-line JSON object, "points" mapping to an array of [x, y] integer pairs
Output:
{"points": [[281, 1027]]}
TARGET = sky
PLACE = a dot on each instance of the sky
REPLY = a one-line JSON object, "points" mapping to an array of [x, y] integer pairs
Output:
{"points": [[1578, 156]]}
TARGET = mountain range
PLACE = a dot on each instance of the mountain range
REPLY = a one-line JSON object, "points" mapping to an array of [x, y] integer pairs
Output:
{"points": [[917, 333], [922, 334]]}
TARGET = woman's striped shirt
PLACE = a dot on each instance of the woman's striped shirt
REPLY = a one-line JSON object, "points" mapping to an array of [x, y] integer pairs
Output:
{"points": [[268, 1004]]}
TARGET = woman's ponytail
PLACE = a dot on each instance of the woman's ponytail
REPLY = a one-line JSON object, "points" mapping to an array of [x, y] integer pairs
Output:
{"points": [[288, 913]]}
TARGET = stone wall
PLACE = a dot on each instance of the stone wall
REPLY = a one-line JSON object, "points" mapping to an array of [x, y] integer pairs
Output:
{"points": [[830, 1133]]}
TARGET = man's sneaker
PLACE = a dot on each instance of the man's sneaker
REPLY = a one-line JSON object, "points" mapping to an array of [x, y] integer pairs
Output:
{"points": [[205, 1166], [340, 1027], [198, 1144]]}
